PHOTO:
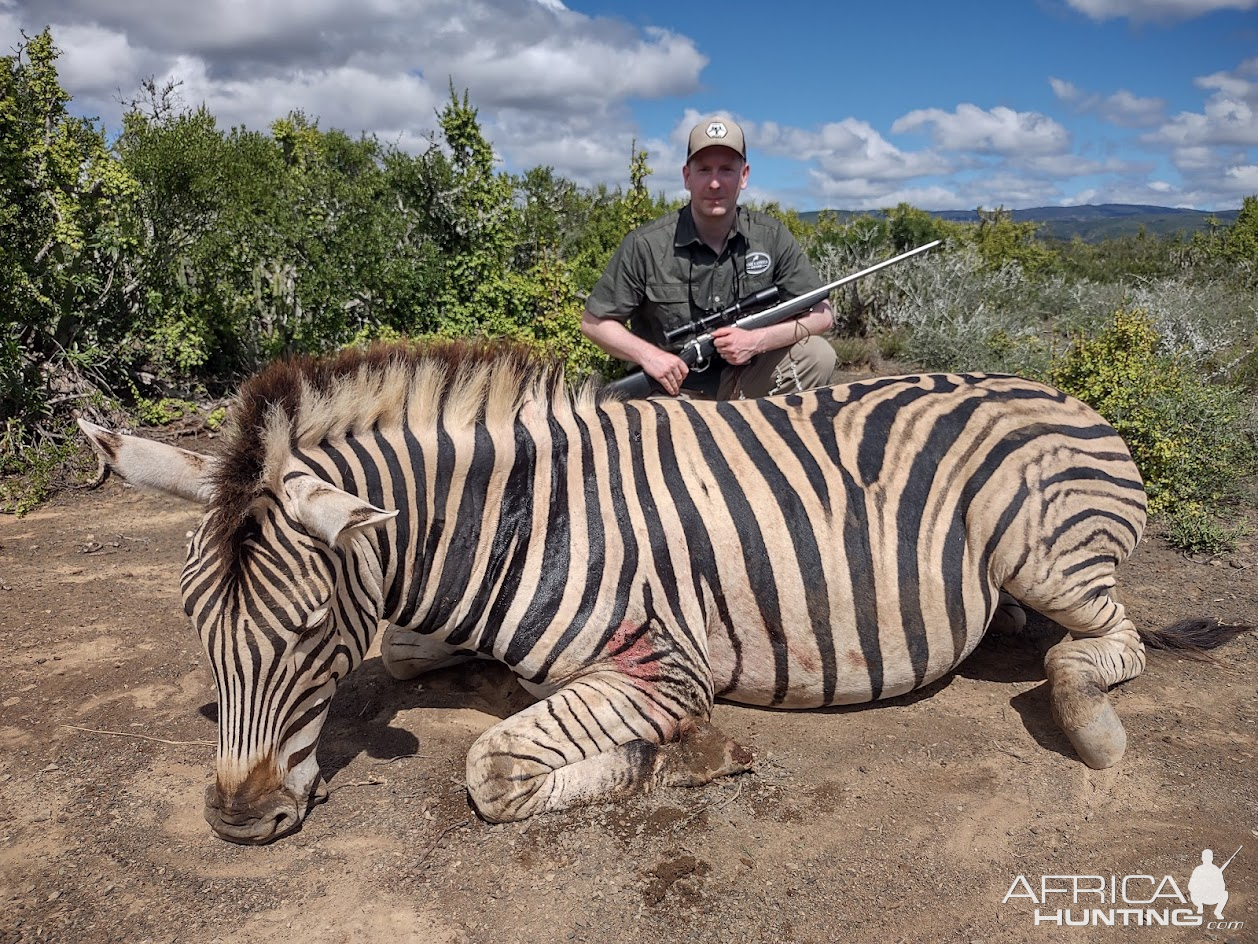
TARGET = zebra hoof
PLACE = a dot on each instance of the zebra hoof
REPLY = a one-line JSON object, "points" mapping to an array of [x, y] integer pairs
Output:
{"points": [[319, 793], [1009, 618], [700, 754], [407, 654], [1092, 725]]}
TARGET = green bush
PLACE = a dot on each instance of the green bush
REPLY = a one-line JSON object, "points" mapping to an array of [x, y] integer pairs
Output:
{"points": [[850, 351], [1193, 441], [162, 411], [216, 419], [30, 478], [1193, 528]]}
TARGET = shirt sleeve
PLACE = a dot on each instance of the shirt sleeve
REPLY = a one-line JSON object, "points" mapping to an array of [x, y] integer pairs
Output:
{"points": [[620, 290]]}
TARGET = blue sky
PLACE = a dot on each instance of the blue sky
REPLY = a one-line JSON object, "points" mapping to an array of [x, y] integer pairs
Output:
{"points": [[852, 106]]}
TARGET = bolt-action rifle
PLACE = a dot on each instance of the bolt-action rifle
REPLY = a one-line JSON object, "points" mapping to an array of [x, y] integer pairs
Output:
{"points": [[747, 313]]}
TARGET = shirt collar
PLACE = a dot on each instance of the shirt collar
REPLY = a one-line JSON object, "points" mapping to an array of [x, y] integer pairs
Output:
{"points": [[688, 235]]}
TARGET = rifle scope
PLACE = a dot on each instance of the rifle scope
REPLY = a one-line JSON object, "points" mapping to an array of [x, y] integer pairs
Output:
{"points": [[744, 306]]}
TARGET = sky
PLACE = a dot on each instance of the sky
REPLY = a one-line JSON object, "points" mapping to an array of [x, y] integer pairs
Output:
{"points": [[856, 106]]}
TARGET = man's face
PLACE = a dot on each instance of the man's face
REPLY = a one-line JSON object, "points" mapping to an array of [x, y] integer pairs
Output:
{"points": [[714, 176]]}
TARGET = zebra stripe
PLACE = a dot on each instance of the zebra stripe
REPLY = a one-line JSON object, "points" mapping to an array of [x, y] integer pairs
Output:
{"points": [[632, 561]]}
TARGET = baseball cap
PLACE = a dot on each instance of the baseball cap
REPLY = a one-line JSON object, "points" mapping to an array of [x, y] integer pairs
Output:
{"points": [[716, 131]]}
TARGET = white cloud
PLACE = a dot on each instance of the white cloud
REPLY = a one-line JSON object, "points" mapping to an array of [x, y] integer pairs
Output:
{"points": [[572, 71], [847, 148], [1001, 130], [860, 193], [396, 107], [381, 66], [1156, 10], [1065, 166], [1229, 117], [1243, 180], [1122, 108]]}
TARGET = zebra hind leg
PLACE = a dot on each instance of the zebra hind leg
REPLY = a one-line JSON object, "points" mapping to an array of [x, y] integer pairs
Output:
{"points": [[1105, 649], [597, 738]]}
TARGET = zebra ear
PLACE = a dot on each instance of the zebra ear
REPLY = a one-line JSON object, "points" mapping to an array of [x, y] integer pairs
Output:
{"points": [[329, 512], [153, 465]]}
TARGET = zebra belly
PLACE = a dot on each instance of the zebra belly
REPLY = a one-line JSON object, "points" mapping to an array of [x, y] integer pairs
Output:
{"points": [[757, 685], [841, 664]]}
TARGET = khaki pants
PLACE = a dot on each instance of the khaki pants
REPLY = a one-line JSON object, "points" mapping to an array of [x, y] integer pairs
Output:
{"points": [[802, 366]]}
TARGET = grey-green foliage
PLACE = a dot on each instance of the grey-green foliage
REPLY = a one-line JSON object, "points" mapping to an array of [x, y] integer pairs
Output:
{"points": [[960, 314], [63, 231], [1215, 323]]}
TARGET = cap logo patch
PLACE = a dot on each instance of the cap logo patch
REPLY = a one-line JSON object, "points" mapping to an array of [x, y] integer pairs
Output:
{"points": [[717, 130], [758, 262]]}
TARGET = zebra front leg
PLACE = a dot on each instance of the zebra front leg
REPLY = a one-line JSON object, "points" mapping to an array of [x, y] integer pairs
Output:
{"points": [[595, 739], [407, 654], [1080, 672]]}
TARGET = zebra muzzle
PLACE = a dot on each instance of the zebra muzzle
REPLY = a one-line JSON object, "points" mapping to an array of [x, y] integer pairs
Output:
{"points": [[256, 822]]}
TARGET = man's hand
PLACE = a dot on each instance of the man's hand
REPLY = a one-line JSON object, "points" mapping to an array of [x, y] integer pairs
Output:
{"points": [[736, 345], [668, 370]]}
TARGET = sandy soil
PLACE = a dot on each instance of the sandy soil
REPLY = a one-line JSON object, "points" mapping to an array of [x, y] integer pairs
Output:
{"points": [[903, 822]]}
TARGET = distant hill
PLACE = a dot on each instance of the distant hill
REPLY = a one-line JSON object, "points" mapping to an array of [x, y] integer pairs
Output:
{"points": [[1091, 223]]}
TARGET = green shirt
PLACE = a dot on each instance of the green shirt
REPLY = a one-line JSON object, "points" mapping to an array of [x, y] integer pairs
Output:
{"points": [[663, 276]]}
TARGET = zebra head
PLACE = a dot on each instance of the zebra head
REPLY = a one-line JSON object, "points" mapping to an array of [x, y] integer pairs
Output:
{"points": [[283, 589]]}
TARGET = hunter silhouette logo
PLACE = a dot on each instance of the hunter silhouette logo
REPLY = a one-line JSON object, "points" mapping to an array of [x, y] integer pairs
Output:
{"points": [[717, 130], [1207, 887], [1142, 900]]}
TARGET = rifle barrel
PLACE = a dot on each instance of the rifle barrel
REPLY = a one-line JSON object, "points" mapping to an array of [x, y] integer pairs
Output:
{"points": [[803, 302]]}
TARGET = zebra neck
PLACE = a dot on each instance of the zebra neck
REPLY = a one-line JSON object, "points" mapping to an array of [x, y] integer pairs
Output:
{"points": [[476, 502]]}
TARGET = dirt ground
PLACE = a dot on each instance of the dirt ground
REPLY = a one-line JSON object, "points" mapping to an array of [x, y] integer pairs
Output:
{"points": [[908, 821]]}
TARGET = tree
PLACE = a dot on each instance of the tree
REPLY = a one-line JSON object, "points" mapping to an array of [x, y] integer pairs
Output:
{"points": [[63, 232], [1240, 241], [910, 227], [1000, 241]]}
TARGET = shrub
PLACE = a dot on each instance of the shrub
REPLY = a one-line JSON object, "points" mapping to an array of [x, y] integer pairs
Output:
{"points": [[161, 411], [849, 351], [1193, 528], [1193, 441], [28, 479], [960, 315]]}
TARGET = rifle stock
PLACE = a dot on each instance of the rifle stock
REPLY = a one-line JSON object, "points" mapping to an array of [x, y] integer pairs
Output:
{"points": [[635, 386]]}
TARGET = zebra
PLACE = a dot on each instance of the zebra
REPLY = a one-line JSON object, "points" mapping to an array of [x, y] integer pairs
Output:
{"points": [[631, 561]]}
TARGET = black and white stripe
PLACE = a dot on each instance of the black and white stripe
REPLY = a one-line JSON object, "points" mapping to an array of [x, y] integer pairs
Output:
{"points": [[632, 561]]}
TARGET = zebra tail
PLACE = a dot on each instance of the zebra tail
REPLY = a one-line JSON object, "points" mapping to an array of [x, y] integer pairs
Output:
{"points": [[1192, 637]]}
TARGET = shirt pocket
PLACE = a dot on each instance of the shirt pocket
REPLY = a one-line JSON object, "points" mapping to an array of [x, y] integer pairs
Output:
{"points": [[668, 308]]}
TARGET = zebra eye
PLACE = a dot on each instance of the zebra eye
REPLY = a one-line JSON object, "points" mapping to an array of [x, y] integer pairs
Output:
{"points": [[316, 619]]}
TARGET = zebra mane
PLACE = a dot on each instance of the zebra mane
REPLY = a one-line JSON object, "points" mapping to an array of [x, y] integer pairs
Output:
{"points": [[302, 401]]}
